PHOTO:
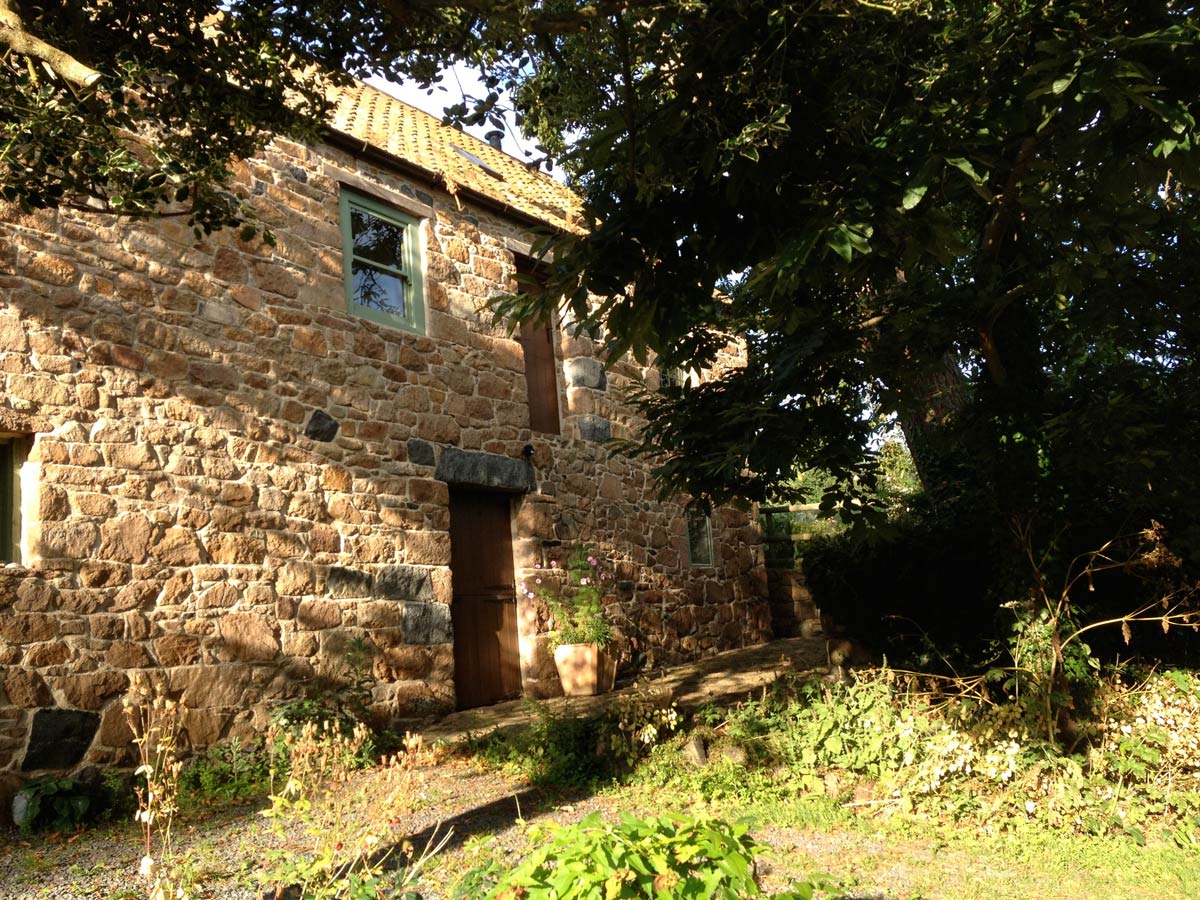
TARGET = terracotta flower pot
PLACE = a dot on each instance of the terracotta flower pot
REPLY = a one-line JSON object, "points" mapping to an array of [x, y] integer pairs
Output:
{"points": [[584, 669]]}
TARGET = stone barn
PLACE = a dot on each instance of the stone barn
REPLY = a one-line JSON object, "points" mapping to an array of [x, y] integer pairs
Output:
{"points": [[229, 465]]}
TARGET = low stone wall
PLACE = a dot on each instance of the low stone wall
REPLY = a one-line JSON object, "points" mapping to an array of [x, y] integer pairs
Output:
{"points": [[793, 612]]}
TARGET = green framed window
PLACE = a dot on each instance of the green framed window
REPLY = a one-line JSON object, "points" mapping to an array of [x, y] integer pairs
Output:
{"points": [[382, 252], [677, 377], [12, 456], [699, 534]]}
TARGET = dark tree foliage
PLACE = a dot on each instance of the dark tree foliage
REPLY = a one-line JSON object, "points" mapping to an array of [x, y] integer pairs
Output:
{"points": [[977, 217]]}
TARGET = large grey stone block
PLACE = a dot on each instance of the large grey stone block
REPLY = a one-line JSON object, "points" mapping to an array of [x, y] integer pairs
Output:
{"points": [[583, 371], [595, 428], [403, 583], [59, 738], [487, 470], [420, 452], [344, 582], [426, 623], [321, 426]]}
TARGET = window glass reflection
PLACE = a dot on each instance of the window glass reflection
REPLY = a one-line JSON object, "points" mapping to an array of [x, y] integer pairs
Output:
{"points": [[376, 289], [376, 239]]}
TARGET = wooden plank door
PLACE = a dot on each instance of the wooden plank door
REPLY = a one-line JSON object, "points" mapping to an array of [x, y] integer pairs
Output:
{"points": [[487, 662]]}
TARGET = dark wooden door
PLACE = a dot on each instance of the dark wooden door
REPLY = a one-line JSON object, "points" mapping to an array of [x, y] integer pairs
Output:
{"points": [[487, 662]]}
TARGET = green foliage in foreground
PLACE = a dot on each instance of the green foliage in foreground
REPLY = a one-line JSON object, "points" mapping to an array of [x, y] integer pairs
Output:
{"points": [[63, 803], [667, 857], [569, 753], [914, 748]]}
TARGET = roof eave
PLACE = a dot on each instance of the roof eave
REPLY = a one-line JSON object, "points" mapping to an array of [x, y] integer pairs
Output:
{"points": [[367, 150]]}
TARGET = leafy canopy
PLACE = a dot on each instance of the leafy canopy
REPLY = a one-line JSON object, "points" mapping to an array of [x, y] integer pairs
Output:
{"points": [[979, 218]]}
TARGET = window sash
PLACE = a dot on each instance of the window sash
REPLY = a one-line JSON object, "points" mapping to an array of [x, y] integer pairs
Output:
{"points": [[699, 535], [541, 377], [14, 449], [8, 501], [407, 269]]}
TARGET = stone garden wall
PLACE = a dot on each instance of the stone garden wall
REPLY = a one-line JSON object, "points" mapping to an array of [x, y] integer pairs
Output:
{"points": [[229, 479]]}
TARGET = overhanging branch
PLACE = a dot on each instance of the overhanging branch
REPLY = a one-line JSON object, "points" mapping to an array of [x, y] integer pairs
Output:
{"points": [[533, 19], [17, 37]]}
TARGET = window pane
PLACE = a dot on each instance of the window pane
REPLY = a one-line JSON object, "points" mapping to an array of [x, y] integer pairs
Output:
{"points": [[8, 502], [700, 552], [377, 289], [376, 239]]}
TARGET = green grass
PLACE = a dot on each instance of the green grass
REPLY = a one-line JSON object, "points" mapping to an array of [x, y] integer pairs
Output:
{"points": [[838, 781]]}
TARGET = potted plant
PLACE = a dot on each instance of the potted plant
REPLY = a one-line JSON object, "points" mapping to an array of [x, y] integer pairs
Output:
{"points": [[573, 594]]}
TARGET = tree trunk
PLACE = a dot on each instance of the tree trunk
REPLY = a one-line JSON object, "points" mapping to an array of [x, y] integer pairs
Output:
{"points": [[927, 407]]}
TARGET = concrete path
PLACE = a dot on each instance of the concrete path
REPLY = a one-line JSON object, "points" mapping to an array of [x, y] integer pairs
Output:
{"points": [[723, 678]]}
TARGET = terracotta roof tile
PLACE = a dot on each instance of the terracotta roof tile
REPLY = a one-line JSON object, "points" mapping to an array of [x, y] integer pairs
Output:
{"points": [[368, 114]]}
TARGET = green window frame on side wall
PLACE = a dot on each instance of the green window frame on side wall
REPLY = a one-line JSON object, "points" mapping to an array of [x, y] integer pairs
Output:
{"points": [[678, 377], [12, 456], [382, 268], [699, 535]]}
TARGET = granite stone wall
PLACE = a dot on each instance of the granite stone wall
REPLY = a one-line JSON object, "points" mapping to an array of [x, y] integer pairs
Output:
{"points": [[228, 479]]}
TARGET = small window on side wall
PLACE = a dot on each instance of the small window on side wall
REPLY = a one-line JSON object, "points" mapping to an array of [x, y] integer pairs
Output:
{"points": [[699, 533], [12, 456], [382, 252], [676, 378]]}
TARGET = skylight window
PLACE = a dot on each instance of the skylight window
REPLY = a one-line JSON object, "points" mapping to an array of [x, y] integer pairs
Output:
{"points": [[472, 158]]}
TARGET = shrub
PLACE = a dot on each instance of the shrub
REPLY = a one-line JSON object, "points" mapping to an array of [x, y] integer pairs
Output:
{"points": [[1151, 733], [563, 752], [226, 773], [635, 722], [940, 746], [667, 857], [918, 590], [340, 838], [155, 724]]}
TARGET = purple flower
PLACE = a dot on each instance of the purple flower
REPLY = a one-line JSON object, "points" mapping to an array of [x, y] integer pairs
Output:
{"points": [[583, 581], [591, 560]]}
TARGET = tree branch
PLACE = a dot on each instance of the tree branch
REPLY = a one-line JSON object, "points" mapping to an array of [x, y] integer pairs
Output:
{"points": [[17, 37], [993, 240], [534, 19], [1006, 201]]}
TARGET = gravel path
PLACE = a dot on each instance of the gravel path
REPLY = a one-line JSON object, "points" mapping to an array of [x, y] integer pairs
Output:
{"points": [[101, 863]]}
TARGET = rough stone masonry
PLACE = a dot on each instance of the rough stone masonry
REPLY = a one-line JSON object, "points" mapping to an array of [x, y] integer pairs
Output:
{"points": [[225, 478]]}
